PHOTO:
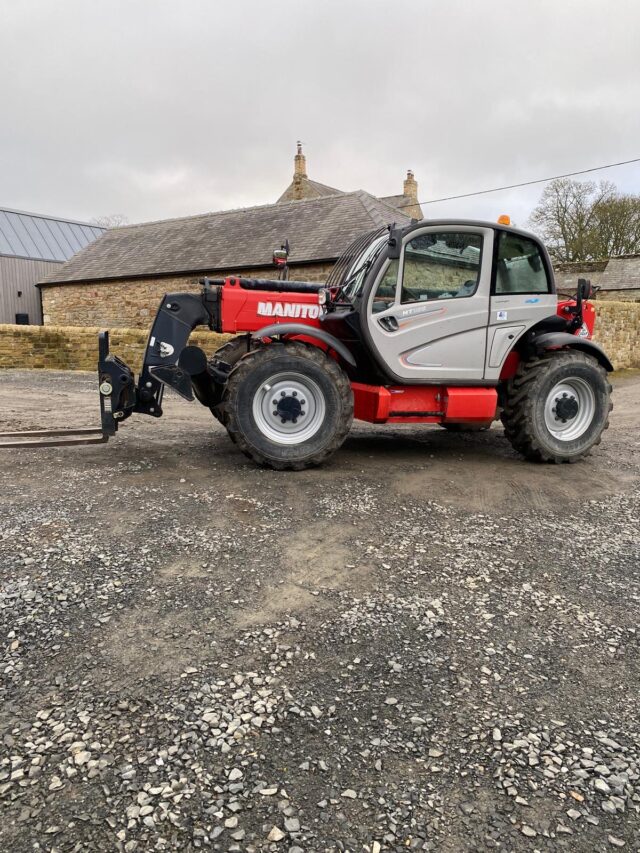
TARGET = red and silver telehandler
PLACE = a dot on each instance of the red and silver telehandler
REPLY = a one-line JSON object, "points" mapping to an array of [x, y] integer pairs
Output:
{"points": [[446, 322]]}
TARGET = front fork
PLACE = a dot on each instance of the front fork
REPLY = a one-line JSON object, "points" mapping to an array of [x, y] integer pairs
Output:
{"points": [[167, 361]]}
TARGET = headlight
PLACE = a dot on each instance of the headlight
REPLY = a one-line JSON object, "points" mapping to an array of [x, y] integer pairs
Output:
{"points": [[322, 296]]}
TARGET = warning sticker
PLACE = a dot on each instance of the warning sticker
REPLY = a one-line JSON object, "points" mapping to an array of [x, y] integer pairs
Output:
{"points": [[502, 315]]}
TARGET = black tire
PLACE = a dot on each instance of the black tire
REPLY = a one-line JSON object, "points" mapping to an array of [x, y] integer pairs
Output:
{"points": [[248, 415], [460, 427], [231, 352], [531, 401]]}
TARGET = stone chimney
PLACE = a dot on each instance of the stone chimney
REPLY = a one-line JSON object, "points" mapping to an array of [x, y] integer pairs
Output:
{"points": [[300, 163], [410, 190], [297, 190]]}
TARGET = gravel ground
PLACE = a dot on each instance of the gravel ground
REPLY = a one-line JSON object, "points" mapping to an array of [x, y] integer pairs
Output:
{"points": [[428, 644]]}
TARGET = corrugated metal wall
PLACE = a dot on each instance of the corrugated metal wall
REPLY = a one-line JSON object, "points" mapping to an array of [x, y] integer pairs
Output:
{"points": [[20, 275]]}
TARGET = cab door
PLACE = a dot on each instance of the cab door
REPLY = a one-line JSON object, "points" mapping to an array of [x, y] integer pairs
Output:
{"points": [[523, 294], [427, 313]]}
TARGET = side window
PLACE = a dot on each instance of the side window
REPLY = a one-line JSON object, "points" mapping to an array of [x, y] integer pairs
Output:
{"points": [[385, 294], [520, 267], [444, 265]]}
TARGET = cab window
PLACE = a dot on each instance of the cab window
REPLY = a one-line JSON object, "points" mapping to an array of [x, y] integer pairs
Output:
{"points": [[520, 268], [385, 293], [443, 265]]}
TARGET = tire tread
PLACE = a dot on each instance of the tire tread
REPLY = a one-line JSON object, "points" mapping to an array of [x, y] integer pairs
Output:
{"points": [[241, 372], [517, 412]]}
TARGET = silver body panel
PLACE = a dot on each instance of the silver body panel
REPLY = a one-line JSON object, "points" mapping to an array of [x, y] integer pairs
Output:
{"points": [[453, 339], [513, 314]]}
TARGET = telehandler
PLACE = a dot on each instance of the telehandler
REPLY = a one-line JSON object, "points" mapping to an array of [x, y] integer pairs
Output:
{"points": [[445, 322]]}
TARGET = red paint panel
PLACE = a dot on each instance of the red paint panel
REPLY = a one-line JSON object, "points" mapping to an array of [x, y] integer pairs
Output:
{"points": [[510, 365], [588, 313], [370, 402], [589, 316], [250, 310], [471, 404], [377, 404], [416, 398]]}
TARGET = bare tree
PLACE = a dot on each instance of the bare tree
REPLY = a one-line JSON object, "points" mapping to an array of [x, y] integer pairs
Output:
{"points": [[618, 230], [581, 221], [110, 220]]}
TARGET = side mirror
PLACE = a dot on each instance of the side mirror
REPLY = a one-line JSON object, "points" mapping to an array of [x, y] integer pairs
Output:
{"points": [[280, 257], [280, 260], [394, 243], [585, 290]]}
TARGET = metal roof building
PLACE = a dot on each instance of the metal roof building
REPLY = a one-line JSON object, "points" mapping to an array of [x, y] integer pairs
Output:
{"points": [[33, 246]]}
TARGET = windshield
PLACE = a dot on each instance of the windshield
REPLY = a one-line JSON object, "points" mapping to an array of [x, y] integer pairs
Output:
{"points": [[352, 279]]}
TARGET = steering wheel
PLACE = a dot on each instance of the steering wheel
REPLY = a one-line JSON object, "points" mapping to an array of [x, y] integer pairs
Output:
{"points": [[467, 288], [413, 297]]}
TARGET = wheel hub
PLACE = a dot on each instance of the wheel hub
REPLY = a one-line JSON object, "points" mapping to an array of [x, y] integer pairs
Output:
{"points": [[570, 408], [566, 408], [289, 408]]}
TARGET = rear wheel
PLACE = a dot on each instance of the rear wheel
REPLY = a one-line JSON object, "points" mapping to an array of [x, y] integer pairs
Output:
{"points": [[288, 406], [557, 407]]}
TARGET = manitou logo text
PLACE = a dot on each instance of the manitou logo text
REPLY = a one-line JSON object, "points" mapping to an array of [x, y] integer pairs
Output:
{"points": [[288, 309]]}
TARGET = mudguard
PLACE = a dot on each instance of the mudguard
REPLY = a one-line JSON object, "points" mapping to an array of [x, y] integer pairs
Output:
{"points": [[555, 340], [309, 332]]}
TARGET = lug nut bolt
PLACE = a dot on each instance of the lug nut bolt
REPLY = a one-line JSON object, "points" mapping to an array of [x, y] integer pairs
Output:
{"points": [[295, 393], [283, 393]]}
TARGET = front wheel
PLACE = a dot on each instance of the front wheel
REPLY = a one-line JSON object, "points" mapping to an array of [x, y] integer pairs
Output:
{"points": [[557, 407], [288, 406], [230, 354]]}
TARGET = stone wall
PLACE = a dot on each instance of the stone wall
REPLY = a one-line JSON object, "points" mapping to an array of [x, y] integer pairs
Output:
{"points": [[617, 330], [71, 348], [427, 276], [618, 295], [132, 303]]}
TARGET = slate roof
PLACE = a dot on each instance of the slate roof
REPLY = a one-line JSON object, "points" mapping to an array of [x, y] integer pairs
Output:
{"points": [[317, 230], [397, 200], [622, 273], [43, 238]]}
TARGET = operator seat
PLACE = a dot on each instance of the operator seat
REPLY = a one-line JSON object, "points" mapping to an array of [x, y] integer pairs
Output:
{"points": [[504, 281]]}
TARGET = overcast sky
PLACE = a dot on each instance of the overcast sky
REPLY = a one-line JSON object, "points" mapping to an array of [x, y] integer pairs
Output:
{"points": [[154, 109]]}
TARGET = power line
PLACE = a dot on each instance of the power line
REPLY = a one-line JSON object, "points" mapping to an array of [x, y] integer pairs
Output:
{"points": [[523, 184]]}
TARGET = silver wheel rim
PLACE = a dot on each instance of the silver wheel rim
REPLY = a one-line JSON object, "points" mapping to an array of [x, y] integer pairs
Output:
{"points": [[569, 409], [289, 408]]}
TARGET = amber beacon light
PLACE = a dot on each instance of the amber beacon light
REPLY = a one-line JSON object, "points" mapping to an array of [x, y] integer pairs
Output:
{"points": [[504, 219]]}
